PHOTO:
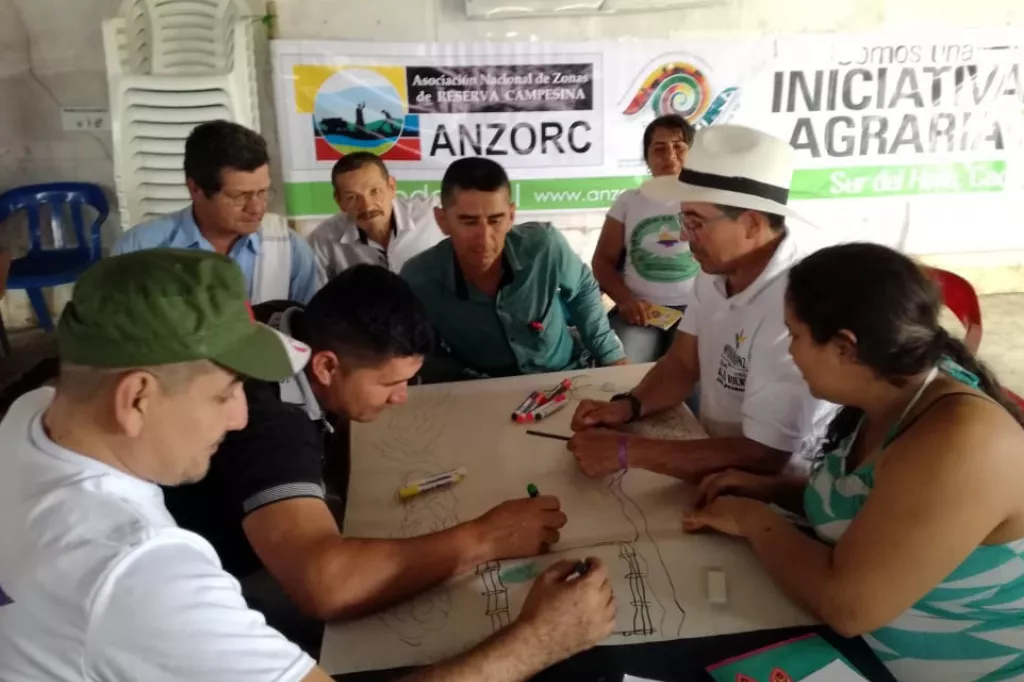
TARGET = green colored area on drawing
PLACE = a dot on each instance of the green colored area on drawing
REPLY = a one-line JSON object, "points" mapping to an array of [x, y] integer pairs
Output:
{"points": [[520, 574]]}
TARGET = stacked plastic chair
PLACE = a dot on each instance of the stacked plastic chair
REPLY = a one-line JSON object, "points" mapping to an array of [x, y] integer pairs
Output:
{"points": [[171, 65]]}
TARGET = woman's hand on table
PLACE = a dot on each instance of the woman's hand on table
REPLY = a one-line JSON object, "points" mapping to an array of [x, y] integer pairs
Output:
{"points": [[737, 483], [593, 413], [520, 528], [736, 516]]}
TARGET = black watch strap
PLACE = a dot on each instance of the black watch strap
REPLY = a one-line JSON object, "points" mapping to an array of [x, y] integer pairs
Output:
{"points": [[634, 405]]}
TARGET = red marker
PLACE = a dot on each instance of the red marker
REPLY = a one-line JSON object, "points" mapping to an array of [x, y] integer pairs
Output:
{"points": [[538, 399], [539, 413], [527, 405], [523, 417], [551, 394], [554, 406], [537, 326]]}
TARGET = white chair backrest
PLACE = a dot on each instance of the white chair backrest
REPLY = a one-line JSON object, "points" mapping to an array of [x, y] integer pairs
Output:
{"points": [[163, 37], [171, 65]]}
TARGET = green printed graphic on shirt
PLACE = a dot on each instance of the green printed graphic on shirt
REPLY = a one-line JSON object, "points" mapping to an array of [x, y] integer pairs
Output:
{"points": [[658, 252]]}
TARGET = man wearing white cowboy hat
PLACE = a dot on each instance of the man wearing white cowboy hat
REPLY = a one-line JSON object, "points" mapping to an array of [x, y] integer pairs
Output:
{"points": [[733, 339]]}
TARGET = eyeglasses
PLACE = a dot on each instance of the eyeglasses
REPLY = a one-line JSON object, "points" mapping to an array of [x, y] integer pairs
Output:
{"points": [[242, 199], [694, 224]]}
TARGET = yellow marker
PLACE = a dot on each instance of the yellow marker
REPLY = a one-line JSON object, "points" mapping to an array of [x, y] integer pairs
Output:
{"points": [[438, 481]]}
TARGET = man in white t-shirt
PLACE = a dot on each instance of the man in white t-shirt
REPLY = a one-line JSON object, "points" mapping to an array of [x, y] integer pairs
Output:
{"points": [[97, 583], [375, 225], [643, 255], [754, 403]]}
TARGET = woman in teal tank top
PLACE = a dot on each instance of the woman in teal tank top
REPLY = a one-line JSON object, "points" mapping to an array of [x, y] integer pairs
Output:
{"points": [[917, 496]]}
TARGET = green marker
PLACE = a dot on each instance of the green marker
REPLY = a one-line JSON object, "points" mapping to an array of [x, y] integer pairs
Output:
{"points": [[532, 491]]}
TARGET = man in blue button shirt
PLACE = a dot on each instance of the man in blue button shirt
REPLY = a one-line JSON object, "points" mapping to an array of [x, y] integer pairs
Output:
{"points": [[227, 170], [501, 295]]}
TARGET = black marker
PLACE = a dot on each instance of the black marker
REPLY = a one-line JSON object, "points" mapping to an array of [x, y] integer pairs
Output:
{"points": [[542, 434]]}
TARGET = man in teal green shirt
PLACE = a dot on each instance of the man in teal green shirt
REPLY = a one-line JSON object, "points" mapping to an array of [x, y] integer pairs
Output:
{"points": [[498, 293]]}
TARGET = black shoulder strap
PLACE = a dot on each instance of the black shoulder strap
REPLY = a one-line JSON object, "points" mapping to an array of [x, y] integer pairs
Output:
{"points": [[263, 312], [910, 422]]}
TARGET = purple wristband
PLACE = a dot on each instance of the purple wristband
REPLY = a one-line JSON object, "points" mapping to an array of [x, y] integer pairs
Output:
{"points": [[623, 461]]}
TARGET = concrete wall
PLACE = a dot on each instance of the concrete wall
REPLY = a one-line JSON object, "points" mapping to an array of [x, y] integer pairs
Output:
{"points": [[51, 55]]}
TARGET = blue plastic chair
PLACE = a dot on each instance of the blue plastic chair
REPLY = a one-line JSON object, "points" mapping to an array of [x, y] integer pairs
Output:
{"points": [[45, 267]]}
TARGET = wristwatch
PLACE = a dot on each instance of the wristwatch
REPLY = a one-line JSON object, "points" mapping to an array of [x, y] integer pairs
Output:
{"points": [[634, 405]]}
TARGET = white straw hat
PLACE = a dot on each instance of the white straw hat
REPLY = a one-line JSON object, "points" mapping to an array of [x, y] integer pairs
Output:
{"points": [[733, 166]]}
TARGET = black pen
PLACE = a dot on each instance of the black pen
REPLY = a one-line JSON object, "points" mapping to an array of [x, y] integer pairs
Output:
{"points": [[553, 436]]}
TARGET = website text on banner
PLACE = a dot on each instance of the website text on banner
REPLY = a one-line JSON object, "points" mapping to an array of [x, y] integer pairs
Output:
{"points": [[870, 116]]}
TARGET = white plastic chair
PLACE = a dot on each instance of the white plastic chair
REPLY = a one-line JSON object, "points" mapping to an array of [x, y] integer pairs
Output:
{"points": [[171, 65], [180, 36]]}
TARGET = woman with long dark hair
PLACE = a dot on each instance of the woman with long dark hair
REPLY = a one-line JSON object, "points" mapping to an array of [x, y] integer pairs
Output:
{"points": [[642, 255], [916, 498]]}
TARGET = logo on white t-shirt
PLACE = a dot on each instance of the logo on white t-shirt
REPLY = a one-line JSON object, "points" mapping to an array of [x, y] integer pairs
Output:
{"points": [[658, 250], [732, 367]]}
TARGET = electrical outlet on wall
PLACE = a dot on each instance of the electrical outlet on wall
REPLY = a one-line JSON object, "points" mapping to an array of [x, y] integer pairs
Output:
{"points": [[85, 119]]}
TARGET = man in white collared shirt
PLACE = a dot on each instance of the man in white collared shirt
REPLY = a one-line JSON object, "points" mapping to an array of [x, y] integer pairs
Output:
{"points": [[375, 225], [754, 403], [227, 170], [97, 582]]}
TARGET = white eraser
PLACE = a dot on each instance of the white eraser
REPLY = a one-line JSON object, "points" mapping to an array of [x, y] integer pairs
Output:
{"points": [[717, 593]]}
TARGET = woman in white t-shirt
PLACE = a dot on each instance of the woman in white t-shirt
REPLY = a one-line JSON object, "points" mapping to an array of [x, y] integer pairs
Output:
{"points": [[642, 255]]}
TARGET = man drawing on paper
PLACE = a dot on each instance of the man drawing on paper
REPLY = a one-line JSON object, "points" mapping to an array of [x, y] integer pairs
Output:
{"points": [[264, 507], [227, 170], [375, 225], [502, 295], [753, 401], [96, 580]]}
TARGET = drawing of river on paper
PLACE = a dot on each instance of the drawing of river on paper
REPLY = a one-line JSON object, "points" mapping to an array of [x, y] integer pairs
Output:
{"points": [[659, 579], [658, 598], [482, 603], [467, 425]]}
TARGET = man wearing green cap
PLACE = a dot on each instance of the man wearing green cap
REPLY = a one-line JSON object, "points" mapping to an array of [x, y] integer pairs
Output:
{"points": [[264, 507], [97, 582]]}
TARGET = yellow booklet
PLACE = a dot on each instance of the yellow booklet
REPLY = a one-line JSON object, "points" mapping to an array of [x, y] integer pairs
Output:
{"points": [[661, 317]]}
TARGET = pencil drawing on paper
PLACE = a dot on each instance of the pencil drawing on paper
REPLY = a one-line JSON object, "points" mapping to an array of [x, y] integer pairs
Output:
{"points": [[409, 439], [410, 432], [629, 522], [583, 384], [428, 513], [496, 594], [636, 576], [636, 517], [672, 424], [416, 618]]}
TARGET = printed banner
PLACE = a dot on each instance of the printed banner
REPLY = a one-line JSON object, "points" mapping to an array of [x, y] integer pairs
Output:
{"points": [[884, 118], [869, 116]]}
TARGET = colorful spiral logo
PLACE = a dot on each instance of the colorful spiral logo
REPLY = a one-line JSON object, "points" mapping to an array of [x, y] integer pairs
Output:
{"points": [[676, 88]]}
